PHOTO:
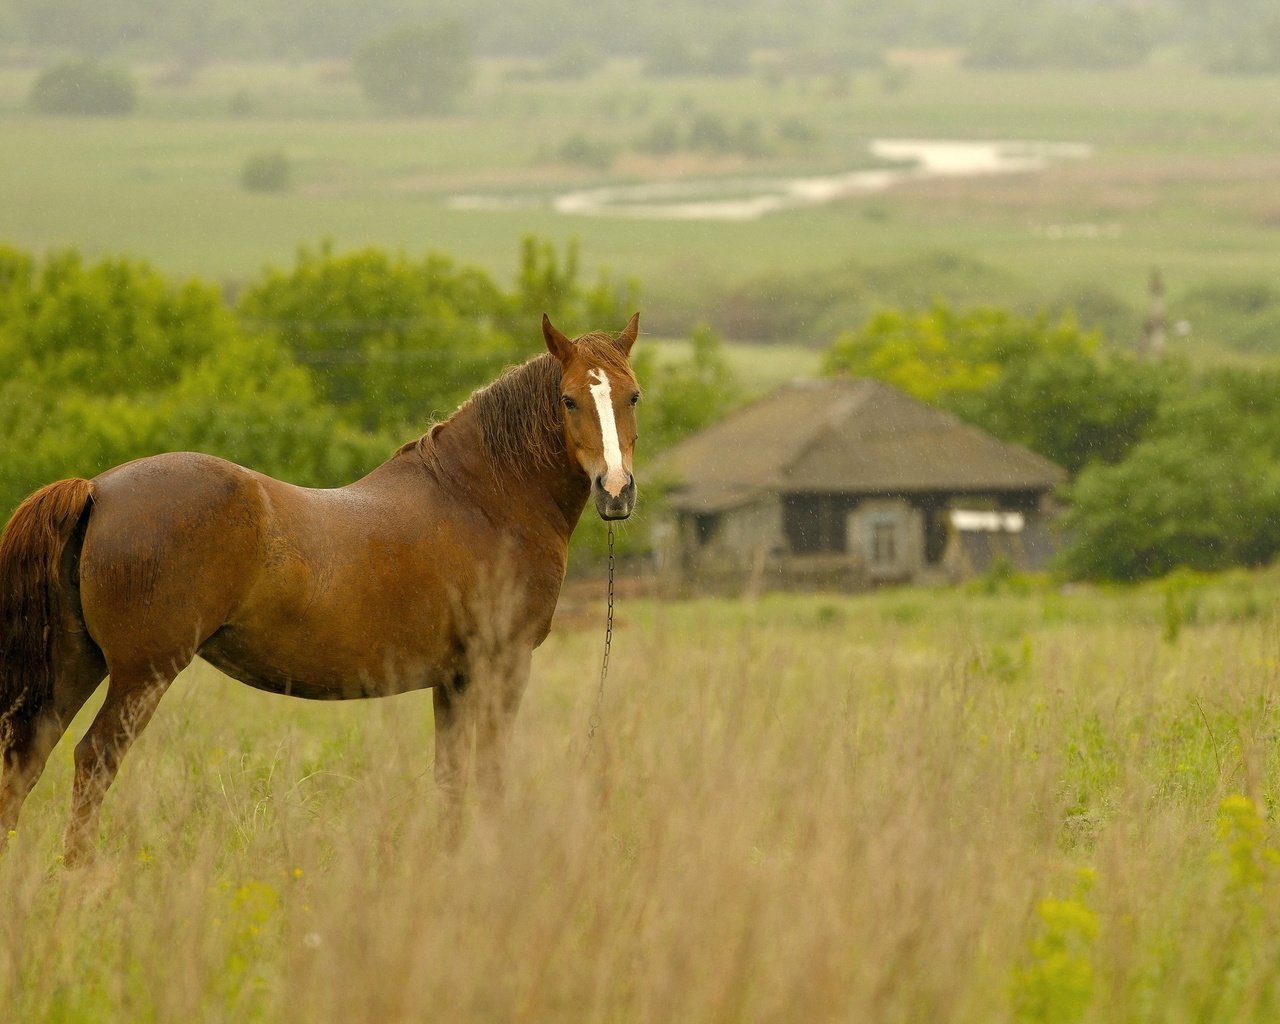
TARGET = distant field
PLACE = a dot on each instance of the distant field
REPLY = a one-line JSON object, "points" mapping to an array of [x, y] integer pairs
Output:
{"points": [[908, 806], [1183, 174], [758, 368]]}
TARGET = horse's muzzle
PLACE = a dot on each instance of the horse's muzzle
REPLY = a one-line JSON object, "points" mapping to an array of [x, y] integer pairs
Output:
{"points": [[611, 507]]}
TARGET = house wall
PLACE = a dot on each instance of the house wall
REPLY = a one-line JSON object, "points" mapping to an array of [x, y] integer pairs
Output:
{"points": [[971, 553], [886, 539], [738, 543], [750, 548]]}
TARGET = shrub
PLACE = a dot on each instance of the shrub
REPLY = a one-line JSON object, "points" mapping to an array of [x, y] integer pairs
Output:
{"points": [[587, 151], [243, 104], [84, 87], [709, 132], [671, 56], [266, 172], [574, 61], [798, 132], [662, 138]]}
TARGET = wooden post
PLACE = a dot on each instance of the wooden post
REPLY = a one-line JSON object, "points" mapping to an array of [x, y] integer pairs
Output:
{"points": [[1152, 345]]}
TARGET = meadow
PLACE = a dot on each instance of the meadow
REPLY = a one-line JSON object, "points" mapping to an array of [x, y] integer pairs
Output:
{"points": [[1182, 174], [1010, 802]]}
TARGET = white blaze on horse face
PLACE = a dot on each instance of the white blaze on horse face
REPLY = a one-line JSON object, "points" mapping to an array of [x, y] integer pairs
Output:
{"points": [[615, 477]]}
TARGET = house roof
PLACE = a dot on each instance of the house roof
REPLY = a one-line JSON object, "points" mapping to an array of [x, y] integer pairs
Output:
{"points": [[845, 436]]}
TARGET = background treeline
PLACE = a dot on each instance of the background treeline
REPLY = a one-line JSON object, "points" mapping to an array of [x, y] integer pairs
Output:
{"points": [[1224, 35], [1215, 318], [317, 371]]}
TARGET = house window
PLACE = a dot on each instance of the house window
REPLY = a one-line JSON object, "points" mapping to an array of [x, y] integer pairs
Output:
{"points": [[884, 543], [814, 523], [887, 542], [705, 526]]}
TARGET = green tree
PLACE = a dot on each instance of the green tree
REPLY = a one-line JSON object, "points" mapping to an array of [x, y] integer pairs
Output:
{"points": [[416, 69], [1175, 502], [1202, 491], [393, 341], [1040, 383], [84, 87], [396, 341], [115, 326], [108, 361], [671, 55], [941, 352], [548, 281], [244, 401], [268, 171], [1071, 406]]}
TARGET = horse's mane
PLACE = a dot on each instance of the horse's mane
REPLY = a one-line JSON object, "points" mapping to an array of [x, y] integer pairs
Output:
{"points": [[519, 412]]}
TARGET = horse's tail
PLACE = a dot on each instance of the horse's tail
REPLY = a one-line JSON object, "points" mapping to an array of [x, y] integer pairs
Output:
{"points": [[31, 551]]}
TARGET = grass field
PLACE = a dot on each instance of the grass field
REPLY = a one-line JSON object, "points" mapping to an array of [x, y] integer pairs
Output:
{"points": [[1020, 805], [1183, 174]]}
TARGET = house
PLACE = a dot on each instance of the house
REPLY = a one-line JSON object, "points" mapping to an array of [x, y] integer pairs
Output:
{"points": [[851, 483]]}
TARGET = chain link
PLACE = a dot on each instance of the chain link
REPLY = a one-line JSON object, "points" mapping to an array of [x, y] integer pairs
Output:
{"points": [[608, 642]]}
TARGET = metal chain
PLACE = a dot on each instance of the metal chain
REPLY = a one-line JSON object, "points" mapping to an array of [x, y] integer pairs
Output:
{"points": [[608, 642]]}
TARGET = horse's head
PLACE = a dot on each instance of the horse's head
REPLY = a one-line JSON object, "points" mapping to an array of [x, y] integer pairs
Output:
{"points": [[598, 396]]}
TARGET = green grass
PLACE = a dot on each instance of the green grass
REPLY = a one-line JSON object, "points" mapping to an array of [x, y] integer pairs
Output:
{"points": [[970, 805], [1183, 176]]}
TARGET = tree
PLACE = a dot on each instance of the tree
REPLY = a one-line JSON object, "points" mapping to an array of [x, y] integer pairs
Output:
{"points": [[268, 171], [244, 401], [1175, 502], [109, 327], [396, 341], [1070, 406], [943, 352], [84, 87], [392, 341], [108, 361], [1202, 491], [547, 282], [1038, 383], [416, 69]]}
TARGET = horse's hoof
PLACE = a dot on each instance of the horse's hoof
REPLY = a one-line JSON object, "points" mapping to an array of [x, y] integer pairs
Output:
{"points": [[75, 857]]}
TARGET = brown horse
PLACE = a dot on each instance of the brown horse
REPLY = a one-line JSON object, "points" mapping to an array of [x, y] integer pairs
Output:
{"points": [[439, 569]]}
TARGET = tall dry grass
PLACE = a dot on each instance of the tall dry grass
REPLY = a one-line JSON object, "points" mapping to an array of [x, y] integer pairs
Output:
{"points": [[912, 807]]}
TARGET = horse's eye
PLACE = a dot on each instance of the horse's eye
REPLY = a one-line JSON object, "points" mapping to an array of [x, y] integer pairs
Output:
{"points": [[635, 398], [568, 402]]}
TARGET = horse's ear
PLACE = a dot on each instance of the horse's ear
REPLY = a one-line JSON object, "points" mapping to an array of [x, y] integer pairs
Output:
{"points": [[628, 336], [557, 344]]}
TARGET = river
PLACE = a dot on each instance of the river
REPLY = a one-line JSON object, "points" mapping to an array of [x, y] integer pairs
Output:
{"points": [[749, 198]]}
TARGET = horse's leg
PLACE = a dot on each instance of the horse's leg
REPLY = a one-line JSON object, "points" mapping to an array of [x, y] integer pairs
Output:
{"points": [[131, 700], [453, 737], [497, 702], [79, 668]]}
